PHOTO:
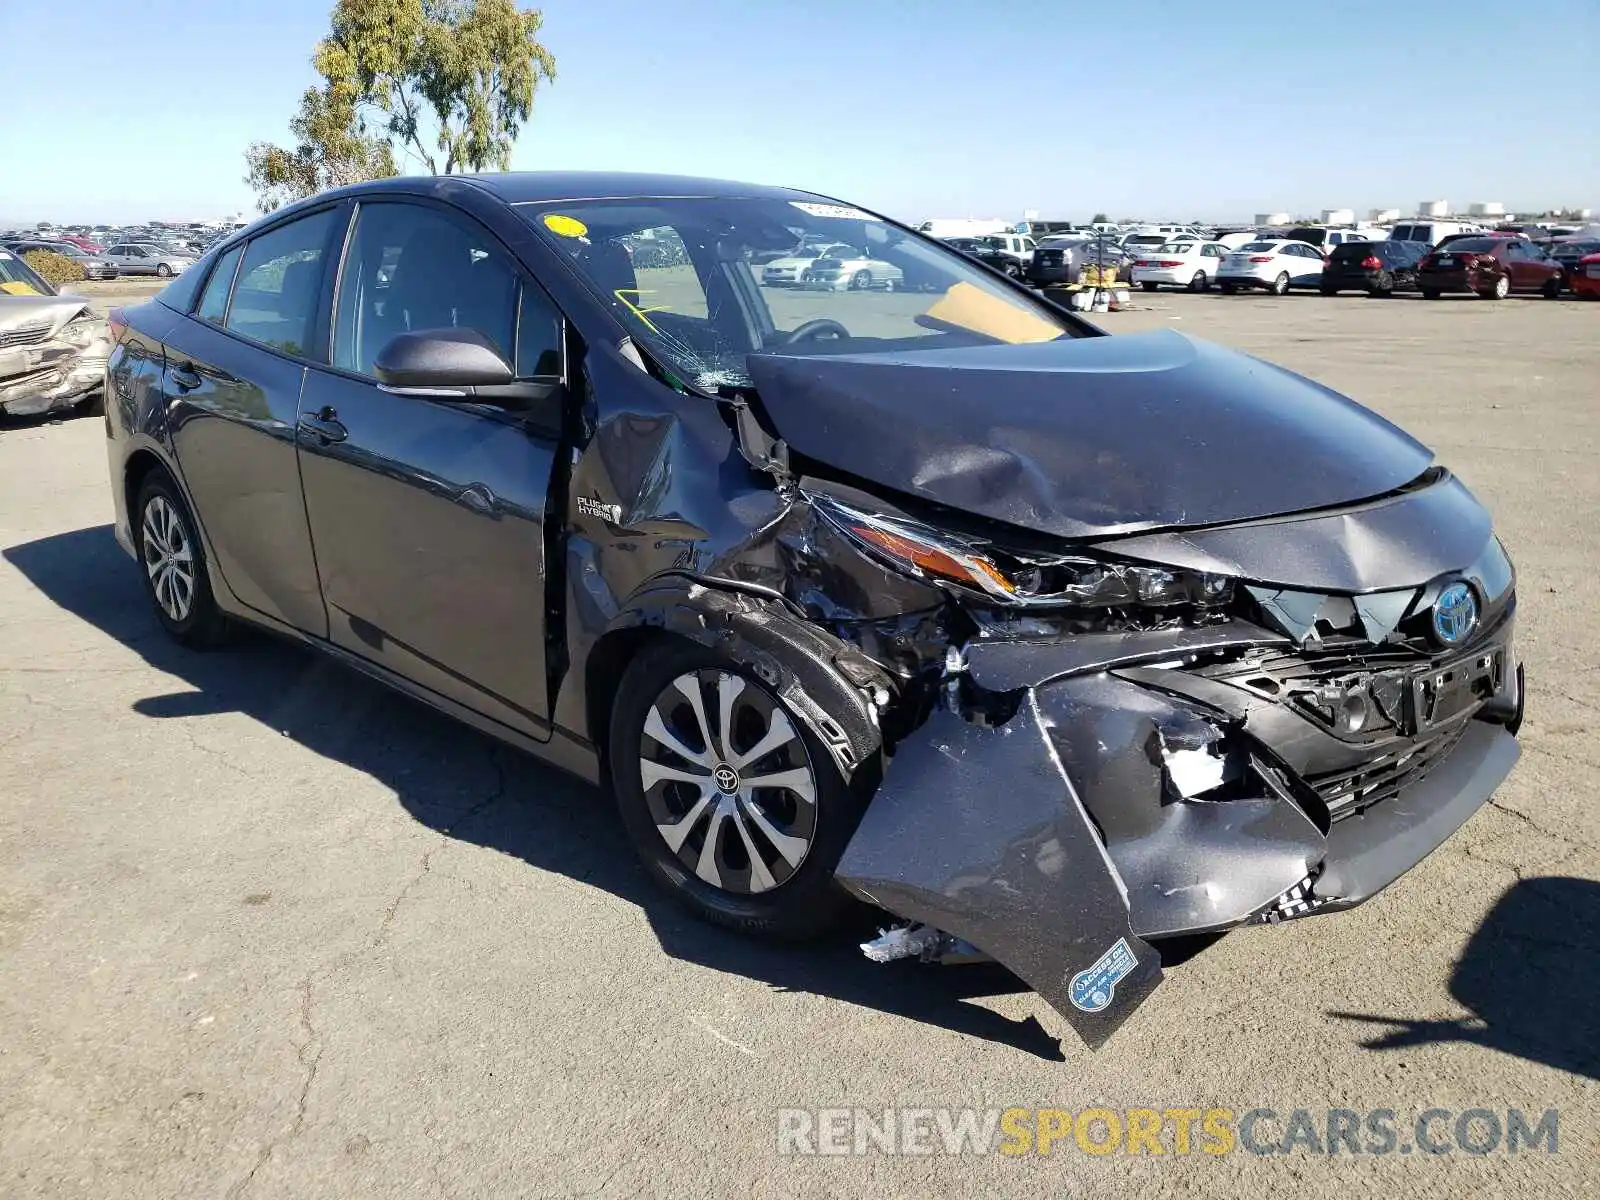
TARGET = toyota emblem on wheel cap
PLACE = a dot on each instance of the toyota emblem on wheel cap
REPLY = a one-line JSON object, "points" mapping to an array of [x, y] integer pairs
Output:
{"points": [[726, 777], [1455, 614]]}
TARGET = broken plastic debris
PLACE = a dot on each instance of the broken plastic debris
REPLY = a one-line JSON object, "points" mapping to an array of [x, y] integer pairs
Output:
{"points": [[921, 941], [1194, 772], [907, 941]]}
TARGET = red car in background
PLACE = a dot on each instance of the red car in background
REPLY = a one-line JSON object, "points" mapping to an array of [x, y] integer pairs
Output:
{"points": [[1493, 267], [1584, 278]]}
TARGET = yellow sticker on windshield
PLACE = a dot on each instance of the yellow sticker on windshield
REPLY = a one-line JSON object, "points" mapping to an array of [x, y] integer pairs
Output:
{"points": [[564, 226], [18, 288]]}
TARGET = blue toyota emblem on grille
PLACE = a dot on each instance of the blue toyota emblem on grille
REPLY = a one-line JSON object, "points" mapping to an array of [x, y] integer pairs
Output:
{"points": [[1455, 614]]}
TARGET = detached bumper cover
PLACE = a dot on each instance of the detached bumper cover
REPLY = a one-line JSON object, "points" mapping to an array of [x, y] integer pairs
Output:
{"points": [[1057, 843], [978, 831]]}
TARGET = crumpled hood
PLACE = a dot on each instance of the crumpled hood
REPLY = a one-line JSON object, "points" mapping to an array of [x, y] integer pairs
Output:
{"points": [[1088, 436], [32, 312]]}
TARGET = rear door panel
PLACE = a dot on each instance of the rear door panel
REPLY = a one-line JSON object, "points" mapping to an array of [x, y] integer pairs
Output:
{"points": [[233, 437]]}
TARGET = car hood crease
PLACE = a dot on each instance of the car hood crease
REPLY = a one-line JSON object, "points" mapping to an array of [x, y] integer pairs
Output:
{"points": [[27, 312], [1087, 437]]}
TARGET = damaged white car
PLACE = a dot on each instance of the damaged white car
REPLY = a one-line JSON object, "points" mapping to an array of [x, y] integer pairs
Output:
{"points": [[53, 349]]}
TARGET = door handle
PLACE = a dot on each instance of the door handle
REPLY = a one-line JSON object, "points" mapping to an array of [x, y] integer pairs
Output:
{"points": [[186, 378], [478, 498], [324, 425]]}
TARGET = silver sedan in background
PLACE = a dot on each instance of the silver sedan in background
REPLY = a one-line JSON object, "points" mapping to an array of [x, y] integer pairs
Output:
{"points": [[148, 258]]}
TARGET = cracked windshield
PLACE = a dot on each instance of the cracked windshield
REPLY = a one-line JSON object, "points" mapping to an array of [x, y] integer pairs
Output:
{"points": [[702, 283]]}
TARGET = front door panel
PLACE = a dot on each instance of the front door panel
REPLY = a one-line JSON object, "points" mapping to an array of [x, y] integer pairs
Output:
{"points": [[428, 522]]}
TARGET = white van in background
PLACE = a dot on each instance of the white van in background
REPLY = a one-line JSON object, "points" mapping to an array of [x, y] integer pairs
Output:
{"points": [[1430, 232], [949, 227]]}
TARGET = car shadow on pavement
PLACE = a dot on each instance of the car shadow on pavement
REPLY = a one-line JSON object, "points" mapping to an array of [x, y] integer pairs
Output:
{"points": [[469, 787], [1530, 975]]}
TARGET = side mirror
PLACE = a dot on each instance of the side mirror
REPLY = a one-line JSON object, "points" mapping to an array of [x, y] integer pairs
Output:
{"points": [[435, 361]]}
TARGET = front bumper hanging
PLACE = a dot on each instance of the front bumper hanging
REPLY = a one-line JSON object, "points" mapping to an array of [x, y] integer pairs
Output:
{"points": [[1066, 840]]}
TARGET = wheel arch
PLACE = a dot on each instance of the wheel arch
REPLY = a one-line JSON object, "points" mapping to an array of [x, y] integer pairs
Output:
{"points": [[139, 467], [140, 464], [834, 688]]}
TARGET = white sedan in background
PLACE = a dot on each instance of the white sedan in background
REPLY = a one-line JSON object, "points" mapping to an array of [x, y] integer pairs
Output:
{"points": [[845, 269], [1185, 264], [788, 270], [1273, 266]]}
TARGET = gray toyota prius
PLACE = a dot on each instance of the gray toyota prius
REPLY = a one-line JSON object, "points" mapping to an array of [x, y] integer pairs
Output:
{"points": [[898, 585]]}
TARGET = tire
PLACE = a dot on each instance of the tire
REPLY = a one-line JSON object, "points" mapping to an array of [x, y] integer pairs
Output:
{"points": [[1149, 287], [1500, 290], [791, 895], [1552, 290], [170, 551], [1280, 285], [1382, 286], [861, 281], [1328, 291], [1200, 282], [890, 285], [92, 405], [1227, 289], [1430, 293], [163, 271], [1012, 270]]}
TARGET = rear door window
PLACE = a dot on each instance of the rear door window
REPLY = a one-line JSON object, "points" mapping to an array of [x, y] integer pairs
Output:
{"points": [[280, 283], [213, 304]]}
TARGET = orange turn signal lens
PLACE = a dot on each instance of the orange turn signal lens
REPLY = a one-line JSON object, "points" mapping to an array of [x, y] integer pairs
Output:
{"points": [[975, 572]]}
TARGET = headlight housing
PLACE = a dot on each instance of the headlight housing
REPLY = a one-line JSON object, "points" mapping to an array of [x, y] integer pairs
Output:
{"points": [[1021, 578]]}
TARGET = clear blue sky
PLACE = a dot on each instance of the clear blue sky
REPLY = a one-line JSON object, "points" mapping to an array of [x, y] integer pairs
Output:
{"points": [[914, 107]]}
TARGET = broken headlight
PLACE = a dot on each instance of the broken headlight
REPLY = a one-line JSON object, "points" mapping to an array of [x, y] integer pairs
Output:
{"points": [[1019, 577]]}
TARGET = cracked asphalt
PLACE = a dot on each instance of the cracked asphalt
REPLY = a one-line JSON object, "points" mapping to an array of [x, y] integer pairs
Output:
{"points": [[267, 930]]}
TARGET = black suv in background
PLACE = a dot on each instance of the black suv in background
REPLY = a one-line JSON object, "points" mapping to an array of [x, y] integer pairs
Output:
{"points": [[1378, 267], [987, 253]]}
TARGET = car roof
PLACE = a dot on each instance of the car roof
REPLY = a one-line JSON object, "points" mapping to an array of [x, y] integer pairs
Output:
{"points": [[541, 187], [536, 187]]}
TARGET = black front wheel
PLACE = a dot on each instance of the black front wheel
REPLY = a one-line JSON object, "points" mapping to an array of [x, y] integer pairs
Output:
{"points": [[1552, 289], [1149, 287], [736, 808]]}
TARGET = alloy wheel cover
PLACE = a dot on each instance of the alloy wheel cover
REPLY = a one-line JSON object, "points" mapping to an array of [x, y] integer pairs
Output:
{"points": [[168, 558], [728, 782]]}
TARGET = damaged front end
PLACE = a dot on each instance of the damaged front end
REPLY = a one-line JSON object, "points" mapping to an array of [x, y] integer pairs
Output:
{"points": [[1245, 753], [53, 352], [1088, 753], [1084, 734]]}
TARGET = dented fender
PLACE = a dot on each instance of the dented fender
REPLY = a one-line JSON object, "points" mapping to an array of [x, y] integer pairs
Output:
{"points": [[829, 684]]}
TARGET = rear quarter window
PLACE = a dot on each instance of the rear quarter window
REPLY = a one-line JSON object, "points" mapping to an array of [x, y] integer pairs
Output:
{"points": [[1472, 246]]}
